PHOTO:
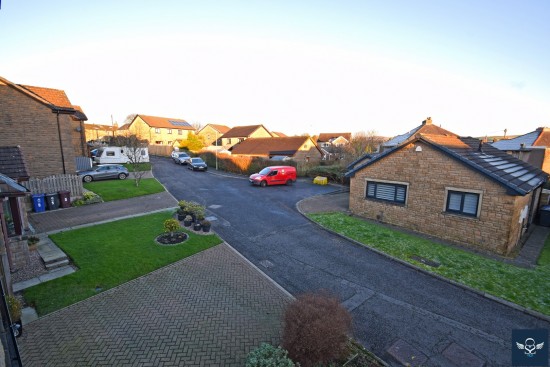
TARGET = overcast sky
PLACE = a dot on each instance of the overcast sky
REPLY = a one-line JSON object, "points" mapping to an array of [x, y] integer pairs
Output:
{"points": [[476, 67]]}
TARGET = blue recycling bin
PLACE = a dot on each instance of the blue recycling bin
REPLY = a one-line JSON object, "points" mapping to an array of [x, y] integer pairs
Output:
{"points": [[38, 203]]}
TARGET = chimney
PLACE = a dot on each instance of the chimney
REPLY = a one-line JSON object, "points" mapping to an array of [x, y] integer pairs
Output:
{"points": [[428, 121]]}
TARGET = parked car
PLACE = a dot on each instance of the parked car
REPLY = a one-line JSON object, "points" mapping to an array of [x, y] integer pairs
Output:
{"points": [[182, 158], [104, 172], [197, 164], [274, 175], [174, 154]]}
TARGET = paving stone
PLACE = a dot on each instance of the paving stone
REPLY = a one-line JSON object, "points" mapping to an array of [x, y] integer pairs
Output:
{"points": [[210, 309], [462, 357], [406, 354]]}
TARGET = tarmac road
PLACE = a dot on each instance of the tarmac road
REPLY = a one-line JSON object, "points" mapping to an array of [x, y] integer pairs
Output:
{"points": [[397, 311]]}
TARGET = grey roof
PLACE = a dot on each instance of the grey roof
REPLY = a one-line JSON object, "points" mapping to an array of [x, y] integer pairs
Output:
{"points": [[515, 144], [10, 187], [12, 163], [517, 176]]}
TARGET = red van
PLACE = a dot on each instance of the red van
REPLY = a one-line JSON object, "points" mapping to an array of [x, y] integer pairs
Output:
{"points": [[274, 175]]}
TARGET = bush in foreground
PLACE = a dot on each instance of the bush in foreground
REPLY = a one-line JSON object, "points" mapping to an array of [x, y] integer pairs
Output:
{"points": [[316, 330], [266, 355]]}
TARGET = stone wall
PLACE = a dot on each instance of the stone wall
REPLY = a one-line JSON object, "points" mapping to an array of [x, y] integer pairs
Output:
{"points": [[19, 252], [33, 126], [429, 173]]}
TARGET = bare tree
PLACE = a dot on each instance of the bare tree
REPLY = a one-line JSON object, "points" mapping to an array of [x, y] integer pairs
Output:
{"points": [[129, 118], [135, 150], [197, 125], [364, 142]]}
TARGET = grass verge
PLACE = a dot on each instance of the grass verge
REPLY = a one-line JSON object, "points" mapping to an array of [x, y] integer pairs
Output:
{"points": [[110, 190], [108, 255], [527, 287], [145, 166]]}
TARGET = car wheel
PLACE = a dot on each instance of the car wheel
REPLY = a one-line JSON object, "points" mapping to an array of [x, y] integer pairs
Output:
{"points": [[289, 183], [263, 184], [122, 176], [87, 179]]}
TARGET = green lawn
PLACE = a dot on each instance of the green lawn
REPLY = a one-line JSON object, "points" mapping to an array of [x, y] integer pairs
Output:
{"points": [[526, 287], [110, 190], [108, 255], [145, 166]]}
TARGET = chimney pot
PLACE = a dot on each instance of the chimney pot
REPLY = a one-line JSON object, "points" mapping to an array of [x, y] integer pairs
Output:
{"points": [[428, 121]]}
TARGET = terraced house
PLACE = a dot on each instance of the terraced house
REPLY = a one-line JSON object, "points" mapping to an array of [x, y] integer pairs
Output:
{"points": [[159, 130], [455, 188]]}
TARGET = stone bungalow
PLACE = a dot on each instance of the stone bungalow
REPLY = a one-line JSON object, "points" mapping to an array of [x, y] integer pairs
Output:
{"points": [[454, 188]]}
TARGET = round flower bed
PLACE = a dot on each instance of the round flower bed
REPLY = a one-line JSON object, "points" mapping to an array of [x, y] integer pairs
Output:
{"points": [[167, 239]]}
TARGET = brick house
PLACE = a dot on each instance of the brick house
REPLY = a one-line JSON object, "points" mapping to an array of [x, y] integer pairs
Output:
{"points": [[327, 140], [211, 132], [427, 127], [158, 130], [241, 133], [299, 148], [24, 110], [14, 224], [98, 131], [533, 148], [457, 189]]}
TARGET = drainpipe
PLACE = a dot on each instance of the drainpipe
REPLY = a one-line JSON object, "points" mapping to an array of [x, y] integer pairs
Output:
{"points": [[60, 142]]}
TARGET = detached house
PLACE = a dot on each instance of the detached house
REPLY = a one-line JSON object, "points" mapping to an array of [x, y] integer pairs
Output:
{"points": [[159, 130], [241, 133], [211, 132], [298, 148], [533, 148], [26, 110], [454, 188], [327, 140]]}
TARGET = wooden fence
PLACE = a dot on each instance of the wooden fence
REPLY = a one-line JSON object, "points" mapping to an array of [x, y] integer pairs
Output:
{"points": [[55, 183], [162, 150]]}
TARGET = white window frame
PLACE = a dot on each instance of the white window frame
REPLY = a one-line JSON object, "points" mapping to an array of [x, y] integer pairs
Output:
{"points": [[399, 183], [465, 191], [157, 130]]}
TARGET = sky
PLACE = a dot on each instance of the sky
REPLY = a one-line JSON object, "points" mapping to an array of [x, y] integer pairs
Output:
{"points": [[476, 67]]}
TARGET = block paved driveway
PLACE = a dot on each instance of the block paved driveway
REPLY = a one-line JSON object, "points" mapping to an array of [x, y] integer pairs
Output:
{"points": [[210, 309]]}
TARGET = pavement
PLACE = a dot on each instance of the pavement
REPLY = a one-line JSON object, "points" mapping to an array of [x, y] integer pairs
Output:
{"points": [[209, 309]]}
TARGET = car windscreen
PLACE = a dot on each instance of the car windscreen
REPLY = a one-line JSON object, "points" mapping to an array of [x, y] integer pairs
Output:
{"points": [[265, 171], [197, 160], [183, 155]]}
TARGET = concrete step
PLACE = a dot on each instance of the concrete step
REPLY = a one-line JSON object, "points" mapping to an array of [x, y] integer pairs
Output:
{"points": [[51, 254], [57, 264]]}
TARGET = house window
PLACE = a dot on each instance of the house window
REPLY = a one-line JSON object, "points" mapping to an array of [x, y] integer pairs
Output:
{"points": [[169, 142], [180, 132], [229, 141], [169, 131], [392, 192], [157, 130], [158, 142], [463, 203]]}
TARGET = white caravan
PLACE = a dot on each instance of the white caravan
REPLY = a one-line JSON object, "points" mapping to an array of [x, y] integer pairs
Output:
{"points": [[120, 155]]}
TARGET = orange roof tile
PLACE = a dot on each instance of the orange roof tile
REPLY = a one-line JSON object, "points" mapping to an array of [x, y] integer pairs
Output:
{"points": [[270, 146], [242, 131], [166, 122], [54, 96]]}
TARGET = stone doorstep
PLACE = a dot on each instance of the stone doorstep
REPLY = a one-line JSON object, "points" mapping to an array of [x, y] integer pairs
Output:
{"points": [[28, 314], [49, 252]]}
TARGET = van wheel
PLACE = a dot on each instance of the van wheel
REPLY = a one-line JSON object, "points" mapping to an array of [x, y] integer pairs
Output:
{"points": [[289, 183], [263, 184], [122, 176], [87, 179]]}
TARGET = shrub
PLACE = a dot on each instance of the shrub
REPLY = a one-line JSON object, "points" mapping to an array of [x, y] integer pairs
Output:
{"points": [[334, 173], [14, 306], [196, 209], [316, 329], [266, 355], [171, 225]]}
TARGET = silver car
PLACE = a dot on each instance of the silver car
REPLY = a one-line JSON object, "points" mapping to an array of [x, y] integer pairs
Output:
{"points": [[104, 172]]}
